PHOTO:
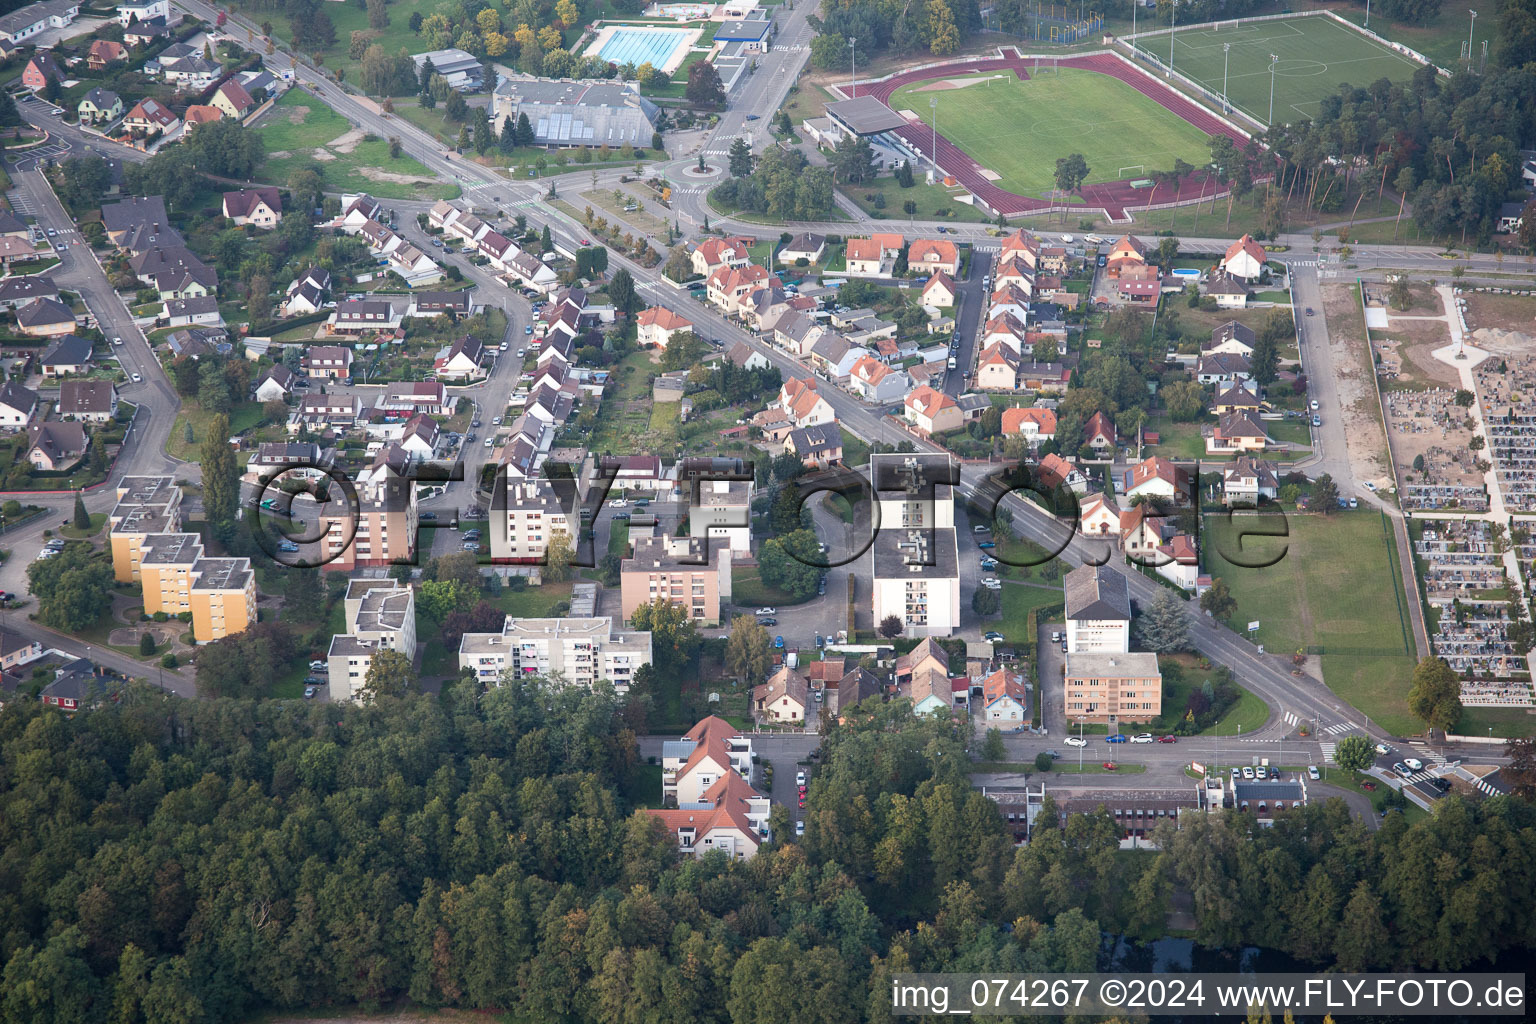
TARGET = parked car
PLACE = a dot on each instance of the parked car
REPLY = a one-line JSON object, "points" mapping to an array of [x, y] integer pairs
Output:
{"points": [[1309, 311], [778, 643], [767, 611], [1315, 406], [767, 620], [317, 665], [1076, 741], [987, 545], [1118, 737], [138, 379], [981, 529], [1313, 773], [288, 546], [1261, 773], [1317, 421], [800, 827], [1055, 636], [800, 779], [1142, 737], [1168, 739], [1248, 773], [428, 516], [992, 637], [313, 680], [310, 691], [1401, 769], [988, 564], [992, 583]]}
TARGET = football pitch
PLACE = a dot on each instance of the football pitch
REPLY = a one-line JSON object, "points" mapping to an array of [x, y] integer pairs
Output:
{"points": [[1017, 129], [1317, 55]]}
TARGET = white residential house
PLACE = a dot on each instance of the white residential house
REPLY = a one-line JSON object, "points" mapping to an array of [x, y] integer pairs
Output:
{"points": [[1098, 610], [658, 324], [1244, 259]]}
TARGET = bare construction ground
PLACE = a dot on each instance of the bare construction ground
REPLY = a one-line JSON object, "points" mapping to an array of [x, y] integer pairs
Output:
{"points": [[1355, 381]]}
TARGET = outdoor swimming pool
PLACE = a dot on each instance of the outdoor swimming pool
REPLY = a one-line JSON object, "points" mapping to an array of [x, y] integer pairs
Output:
{"points": [[661, 48]]}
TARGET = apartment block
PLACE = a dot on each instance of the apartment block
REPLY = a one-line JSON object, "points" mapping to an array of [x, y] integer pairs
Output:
{"points": [[1118, 686], [711, 805], [146, 505], [683, 570], [580, 651], [915, 559], [531, 519], [1098, 606], [718, 509], [386, 520], [176, 578], [380, 616]]}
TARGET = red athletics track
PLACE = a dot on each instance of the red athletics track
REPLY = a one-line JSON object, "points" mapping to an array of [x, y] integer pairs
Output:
{"points": [[1113, 197]]}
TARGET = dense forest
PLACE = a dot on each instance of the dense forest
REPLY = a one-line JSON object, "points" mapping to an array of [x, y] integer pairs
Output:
{"points": [[187, 862]]}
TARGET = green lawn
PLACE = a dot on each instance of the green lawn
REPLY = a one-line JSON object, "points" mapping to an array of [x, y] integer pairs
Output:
{"points": [[932, 200], [242, 417], [299, 132], [97, 519], [1018, 602], [1334, 588], [1317, 55], [1019, 129], [749, 591]]}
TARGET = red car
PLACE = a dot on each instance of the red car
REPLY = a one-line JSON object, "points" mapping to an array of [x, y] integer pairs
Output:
{"points": [[1167, 739], [1110, 766], [1367, 785]]}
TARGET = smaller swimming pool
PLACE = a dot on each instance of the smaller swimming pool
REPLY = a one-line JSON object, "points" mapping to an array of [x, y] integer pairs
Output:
{"points": [[1185, 272]]}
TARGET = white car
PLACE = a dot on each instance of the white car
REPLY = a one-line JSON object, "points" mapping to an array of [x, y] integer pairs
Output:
{"points": [[771, 611], [1414, 763], [117, 341], [1076, 741], [800, 778], [1095, 239], [1144, 737], [137, 379], [618, 503], [1313, 773], [496, 420], [1067, 238], [800, 828], [1315, 406], [992, 583]]}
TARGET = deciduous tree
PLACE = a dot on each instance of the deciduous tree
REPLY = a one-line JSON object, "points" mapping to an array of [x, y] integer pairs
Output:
{"points": [[1435, 697]]}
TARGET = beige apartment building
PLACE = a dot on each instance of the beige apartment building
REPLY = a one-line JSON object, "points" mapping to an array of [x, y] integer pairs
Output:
{"points": [[1119, 686], [380, 616], [580, 651], [533, 517], [145, 505], [683, 570], [175, 578], [386, 517]]}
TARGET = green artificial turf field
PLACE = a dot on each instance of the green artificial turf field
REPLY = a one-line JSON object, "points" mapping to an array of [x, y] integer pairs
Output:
{"points": [[1317, 55], [1018, 130]]}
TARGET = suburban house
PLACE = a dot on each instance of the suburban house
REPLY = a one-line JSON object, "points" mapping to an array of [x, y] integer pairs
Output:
{"points": [[939, 291], [429, 303], [784, 698], [1235, 432], [743, 355], [18, 290], [1129, 251], [532, 272], [40, 70], [55, 444], [308, 294], [932, 411], [17, 405], [1241, 396], [1099, 516], [362, 316], [1155, 477], [1228, 291], [1098, 610], [68, 354], [104, 52], [1140, 283], [90, 401], [45, 317], [274, 385], [1005, 701], [99, 105], [190, 74], [874, 256], [1021, 245], [717, 809], [149, 116], [1099, 433], [998, 368], [876, 382], [261, 207], [16, 250], [1033, 424], [1055, 471], [1222, 368], [198, 309], [142, 10], [728, 286], [232, 100], [1231, 338], [1244, 259], [200, 113], [1005, 329], [819, 446], [1008, 300], [804, 246], [803, 404], [1246, 480], [1179, 562], [714, 253], [327, 362], [929, 256], [1016, 272], [657, 325], [461, 360]]}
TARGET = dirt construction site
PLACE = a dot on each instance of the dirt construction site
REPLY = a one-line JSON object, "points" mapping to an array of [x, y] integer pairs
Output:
{"points": [[1354, 380]]}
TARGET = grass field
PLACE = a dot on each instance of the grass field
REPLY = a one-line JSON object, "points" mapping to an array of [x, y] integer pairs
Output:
{"points": [[301, 131], [1335, 587], [1019, 129], [1316, 54]]}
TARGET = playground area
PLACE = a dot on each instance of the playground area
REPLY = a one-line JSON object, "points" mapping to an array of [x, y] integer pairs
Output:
{"points": [[1016, 127], [1310, 56]]}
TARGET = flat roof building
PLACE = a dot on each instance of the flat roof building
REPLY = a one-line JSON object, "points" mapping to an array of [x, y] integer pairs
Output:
{"points": [[570, 112], [580, 651]]}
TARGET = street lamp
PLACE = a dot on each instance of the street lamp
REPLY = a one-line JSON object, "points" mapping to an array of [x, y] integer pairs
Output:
{"points": [[1173, 17], [1226, 55], [853, 67], [1470, 30], [1274, 59], [1367, 13]]}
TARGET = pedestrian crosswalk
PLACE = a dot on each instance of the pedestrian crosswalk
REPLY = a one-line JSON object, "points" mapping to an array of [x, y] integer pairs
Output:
{"points": [[1428, 755], [1489, 788], [1291, 719], [22, 203], [1340, 727], [1328, 749], [476, 186]]}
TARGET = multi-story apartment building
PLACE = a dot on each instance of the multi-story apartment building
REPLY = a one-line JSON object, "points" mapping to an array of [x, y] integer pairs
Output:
{"points": [[218, 593], [145, 505], [531, 519], [683, 570], [580, 651], [1098, 611], [380, 616], [1113, 686], [915, 559], [711, 803], [385, 531], [721, 509]]}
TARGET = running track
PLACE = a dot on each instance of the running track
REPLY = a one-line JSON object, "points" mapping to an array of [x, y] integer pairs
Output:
{"points": [[1113, 197]]}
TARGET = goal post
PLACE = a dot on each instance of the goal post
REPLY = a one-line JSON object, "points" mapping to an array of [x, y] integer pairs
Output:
{"points": [[1138, 168]]}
